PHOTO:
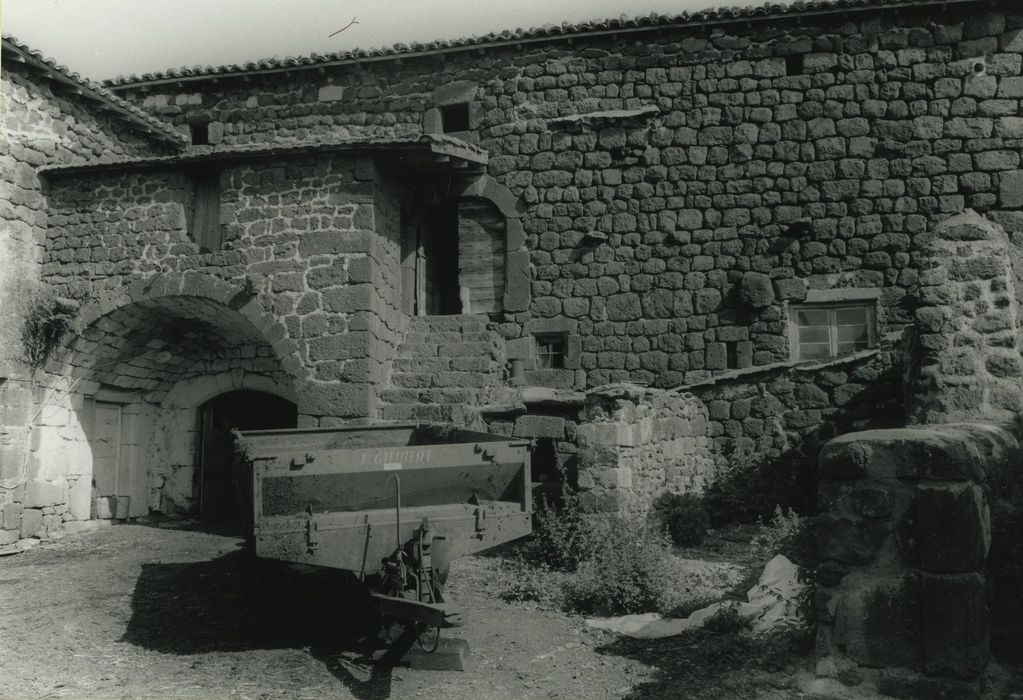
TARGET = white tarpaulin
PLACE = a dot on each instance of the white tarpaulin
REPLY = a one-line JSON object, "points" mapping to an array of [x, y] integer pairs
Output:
{"points": [[773, 602]]}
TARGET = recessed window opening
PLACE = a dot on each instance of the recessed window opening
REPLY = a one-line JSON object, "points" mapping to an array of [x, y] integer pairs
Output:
{"points": [[732, 355], [794, 64], [823, 332], [199, 133], [550, 351], [454, 117], [203, 210]]}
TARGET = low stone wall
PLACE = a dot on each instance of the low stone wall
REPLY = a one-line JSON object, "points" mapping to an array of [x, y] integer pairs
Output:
{"points": [[767, 425], [637, 444], [905, 532]]}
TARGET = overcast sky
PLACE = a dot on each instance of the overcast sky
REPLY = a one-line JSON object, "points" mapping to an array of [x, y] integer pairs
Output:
{"points": [[104, 38]]}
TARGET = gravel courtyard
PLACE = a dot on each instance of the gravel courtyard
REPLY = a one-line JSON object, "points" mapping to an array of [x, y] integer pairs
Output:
{"points": [[137, 611]]}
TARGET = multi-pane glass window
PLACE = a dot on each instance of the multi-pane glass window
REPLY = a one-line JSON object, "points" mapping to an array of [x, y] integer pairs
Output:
{"points": [[550, 351], [821, 332]]}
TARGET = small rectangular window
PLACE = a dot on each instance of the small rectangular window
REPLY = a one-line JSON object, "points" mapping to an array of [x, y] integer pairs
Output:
{"points": [[200, 133], [454, 118], [550, 351], [732, 355], [822, 332], [203, 213], [794, 64]]}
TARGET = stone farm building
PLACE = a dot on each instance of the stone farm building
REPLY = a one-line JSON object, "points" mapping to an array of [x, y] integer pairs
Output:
{"points": [[653, 245]]}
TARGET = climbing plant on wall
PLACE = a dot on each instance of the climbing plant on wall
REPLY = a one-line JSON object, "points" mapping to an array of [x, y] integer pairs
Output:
{"points": [[47, 318]]}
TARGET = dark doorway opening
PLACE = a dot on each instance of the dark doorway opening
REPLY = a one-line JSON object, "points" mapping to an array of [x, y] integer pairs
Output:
{"points": [[225, 481], [438, 238]]}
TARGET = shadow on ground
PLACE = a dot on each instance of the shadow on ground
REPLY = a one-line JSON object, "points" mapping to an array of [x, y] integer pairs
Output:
{"points": [[708, 664], [238, 603]]}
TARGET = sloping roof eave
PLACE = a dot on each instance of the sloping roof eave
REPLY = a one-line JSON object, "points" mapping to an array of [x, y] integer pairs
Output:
{"points": [[15, 50], [438, 146], [800, 9]]}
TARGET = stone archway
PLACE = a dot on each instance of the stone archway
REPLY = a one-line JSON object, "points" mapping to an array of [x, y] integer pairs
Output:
{"points": [[123, 438]]}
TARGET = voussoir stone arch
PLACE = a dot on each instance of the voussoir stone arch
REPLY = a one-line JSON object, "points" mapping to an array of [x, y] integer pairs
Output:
{"points": [[192, 393], [230, 295]]}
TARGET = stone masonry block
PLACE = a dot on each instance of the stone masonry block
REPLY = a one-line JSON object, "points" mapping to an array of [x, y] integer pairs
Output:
{"points": [[330, 93], [877, 619], [10, 516], [850, 540], [953, 529], [757, 290], [31, 522], [39, 494], [80, 499], [941, 453], [1010, 188], [956, 624], [540, 426]]}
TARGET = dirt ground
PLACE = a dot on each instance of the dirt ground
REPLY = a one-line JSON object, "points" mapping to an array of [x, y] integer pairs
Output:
{"points": [[138, 611]]}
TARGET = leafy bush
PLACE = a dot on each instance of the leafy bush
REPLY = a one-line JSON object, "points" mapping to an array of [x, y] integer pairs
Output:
{"points": [[598, 563], [631, 570], [750, 486], [539, 584], [686, 518], [787, 533], [562, 536]]}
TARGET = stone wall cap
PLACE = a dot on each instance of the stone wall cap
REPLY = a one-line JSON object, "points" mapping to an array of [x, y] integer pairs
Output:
{"points": [[745, 374], [565, 32], [17, 51], [949, 452]]}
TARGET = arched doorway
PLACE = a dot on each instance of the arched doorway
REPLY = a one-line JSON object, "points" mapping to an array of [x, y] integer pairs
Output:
{"points": [[225, 480]]}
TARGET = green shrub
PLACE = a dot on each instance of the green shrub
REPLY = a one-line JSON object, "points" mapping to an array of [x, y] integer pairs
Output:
{"points": [[597, 563], [750, 486], [47, 318], [686, 518], [786, 533], [631, 570], [563, 536], [539, 584]]}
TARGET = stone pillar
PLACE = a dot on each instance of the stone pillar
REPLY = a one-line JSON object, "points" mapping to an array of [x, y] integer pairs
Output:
{"points": [[637, 444], [903, 538], [966, 363]]}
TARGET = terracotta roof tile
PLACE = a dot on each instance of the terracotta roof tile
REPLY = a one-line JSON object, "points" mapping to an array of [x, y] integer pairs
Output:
{"points": [[136, 117], [652, 21]]}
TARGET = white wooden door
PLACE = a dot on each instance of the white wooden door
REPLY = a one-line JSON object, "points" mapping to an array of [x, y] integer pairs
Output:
{"points": [[106, 448]]}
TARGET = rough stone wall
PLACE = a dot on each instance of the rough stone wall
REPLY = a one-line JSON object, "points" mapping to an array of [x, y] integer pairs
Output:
{"points": [[301, 301], [700, 160], [41, 126], [966, 362], [636, 445], [902, 604], [768, 423], [300, 241]]}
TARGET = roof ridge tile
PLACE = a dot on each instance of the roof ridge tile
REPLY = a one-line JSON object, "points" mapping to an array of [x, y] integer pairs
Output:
{"points": [[733, 13]]}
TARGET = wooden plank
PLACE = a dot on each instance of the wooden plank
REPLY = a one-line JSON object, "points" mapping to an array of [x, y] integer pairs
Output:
{"points": [[323, 493], [390, 458]]}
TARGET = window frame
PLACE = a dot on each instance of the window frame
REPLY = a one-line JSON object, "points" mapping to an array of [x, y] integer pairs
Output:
{"points": [[831, 308], [551, 339]]}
